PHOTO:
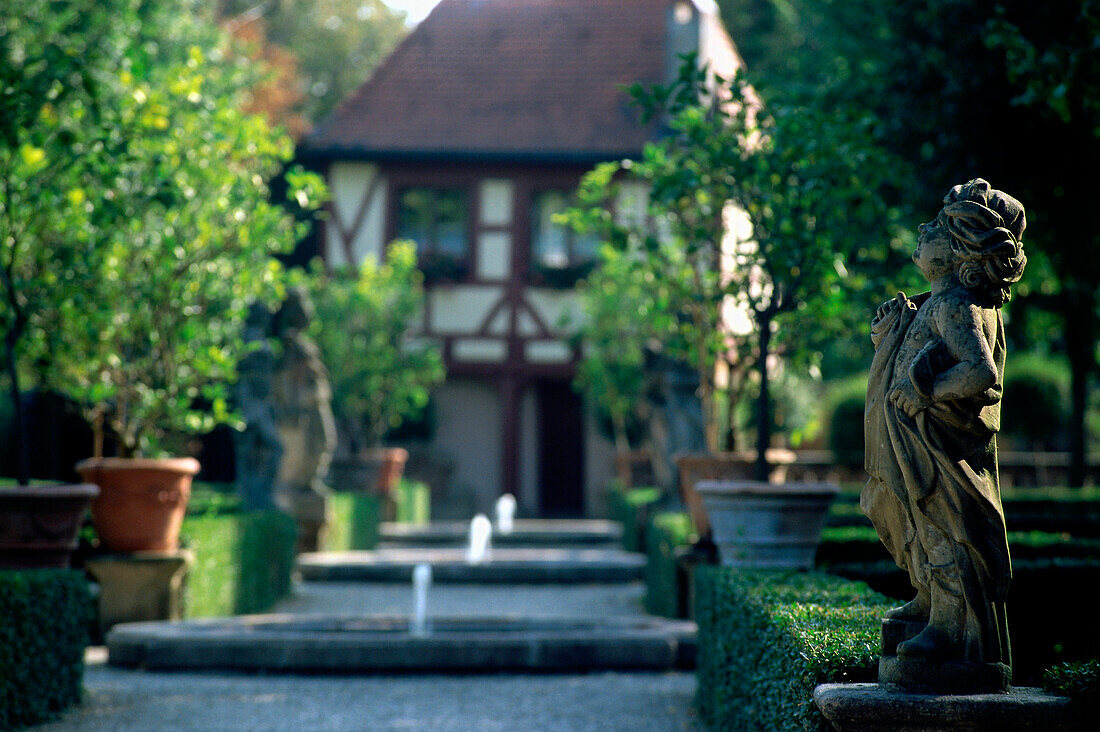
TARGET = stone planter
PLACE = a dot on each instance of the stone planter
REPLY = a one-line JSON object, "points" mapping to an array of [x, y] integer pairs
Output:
{"points": [[376, 471], [766, 525], [141, 503], [741, 465], [39, 524]]}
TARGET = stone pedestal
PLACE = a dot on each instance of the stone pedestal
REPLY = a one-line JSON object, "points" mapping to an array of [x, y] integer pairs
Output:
{"points": [[874, 708], [139, 586], [934, 677]]}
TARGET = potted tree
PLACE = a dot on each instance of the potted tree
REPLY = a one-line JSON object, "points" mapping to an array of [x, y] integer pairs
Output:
{"points": [[757, 211], [182, 243], [45, 115], [380, 377]]}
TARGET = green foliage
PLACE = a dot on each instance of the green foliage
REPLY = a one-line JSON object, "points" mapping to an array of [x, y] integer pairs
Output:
{"points": [[412, 502], [362, 326], [138, 211], [766, 639], [46, 614], [761, 212], [845, 403], [666, 534], [335, 43], [354, 525], [630, 507], [617, 304], [243, 562], [1035, 408], [1078, 681]]}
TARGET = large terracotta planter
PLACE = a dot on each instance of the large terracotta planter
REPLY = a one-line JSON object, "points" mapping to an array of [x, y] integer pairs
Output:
{"points": [[141, 502], [39, 524], [766, 525], [741, 465], [376, 471]]}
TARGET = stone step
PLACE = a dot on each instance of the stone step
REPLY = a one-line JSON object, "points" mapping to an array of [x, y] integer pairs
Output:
{"points": [[526, 532], [547, 565], [288, 644]]}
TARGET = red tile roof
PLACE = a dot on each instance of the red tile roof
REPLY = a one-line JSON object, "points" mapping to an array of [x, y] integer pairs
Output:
{"points": [[507, 79]]}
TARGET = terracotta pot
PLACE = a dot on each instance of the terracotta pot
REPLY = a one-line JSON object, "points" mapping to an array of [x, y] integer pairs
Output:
{"points": [[766, 525], [39, 524], [141, 502], [741, 465], [376, 471]]}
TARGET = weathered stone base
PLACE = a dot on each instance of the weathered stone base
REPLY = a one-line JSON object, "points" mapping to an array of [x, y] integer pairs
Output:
{"points": [[139, 586], [923, 676], [874, 708]]}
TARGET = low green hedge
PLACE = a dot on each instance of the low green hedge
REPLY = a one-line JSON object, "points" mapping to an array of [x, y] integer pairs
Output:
{"points": [[667, 535], [630, 507], [44, 619], [243, 562], [354, 525], [766, 639], [412, 502]]}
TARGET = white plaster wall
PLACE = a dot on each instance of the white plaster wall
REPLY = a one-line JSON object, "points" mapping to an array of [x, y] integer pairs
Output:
{"points": [[480, 349], [552, 305], [348, 183], [548, 352], [494, 255], [462, 308], [468, 431], [497, 197]]}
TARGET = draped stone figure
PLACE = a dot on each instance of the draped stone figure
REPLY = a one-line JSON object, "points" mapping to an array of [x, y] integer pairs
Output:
{"points": [[302, 402], [932, 415]]}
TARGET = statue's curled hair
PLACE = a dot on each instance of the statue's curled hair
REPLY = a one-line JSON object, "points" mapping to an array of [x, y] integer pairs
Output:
{"points": [[986, 227]]}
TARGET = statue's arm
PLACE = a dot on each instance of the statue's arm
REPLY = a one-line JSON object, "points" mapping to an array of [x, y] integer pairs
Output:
{"points": [[966, 334]]}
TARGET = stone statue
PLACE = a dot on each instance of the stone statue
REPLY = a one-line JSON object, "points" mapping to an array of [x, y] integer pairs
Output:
{"points": [[302, 402], [258, 446], [932, 414]]}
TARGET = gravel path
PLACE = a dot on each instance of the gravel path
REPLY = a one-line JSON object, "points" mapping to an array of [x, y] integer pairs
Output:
{"points": [[135, 701]]}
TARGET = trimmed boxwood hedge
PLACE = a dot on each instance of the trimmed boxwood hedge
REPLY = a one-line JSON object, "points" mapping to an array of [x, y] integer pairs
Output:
{"points": [[354, 525], [243, 562], [767, 638], [44, 619], [631, 507], [666, 536]]}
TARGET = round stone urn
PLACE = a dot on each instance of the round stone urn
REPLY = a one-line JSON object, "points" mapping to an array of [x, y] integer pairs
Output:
{"points": [[766, 525]]}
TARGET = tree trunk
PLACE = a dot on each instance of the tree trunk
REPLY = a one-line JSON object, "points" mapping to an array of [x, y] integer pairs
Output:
{"points": [[763, 406], [22, 446]]}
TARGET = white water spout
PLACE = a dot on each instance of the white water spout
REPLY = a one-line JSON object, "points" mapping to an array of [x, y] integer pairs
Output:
{"points": [[506, 513], [481, 532], [422, 580]]}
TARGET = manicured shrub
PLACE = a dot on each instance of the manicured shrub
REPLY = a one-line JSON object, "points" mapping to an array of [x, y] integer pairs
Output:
{"points": [[243, 562], [1035, 411], [354, 524], [766, 639], [845, 403], [1078, 681], [44, 619], [667, 535], [630, 507], [412, 502]]}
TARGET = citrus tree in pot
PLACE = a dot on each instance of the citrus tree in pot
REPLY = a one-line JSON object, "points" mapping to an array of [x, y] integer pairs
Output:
{"points": [[52, 62], [753, 215], [183, 242], [380, 376]]}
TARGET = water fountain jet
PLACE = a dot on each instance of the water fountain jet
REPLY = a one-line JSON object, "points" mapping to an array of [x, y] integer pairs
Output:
{"points": [[422, 580], [481, 532], [506, 513]]}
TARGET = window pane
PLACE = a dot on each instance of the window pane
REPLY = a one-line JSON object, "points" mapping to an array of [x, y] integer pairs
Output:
{"points": [[435, 218], [549, 241]]}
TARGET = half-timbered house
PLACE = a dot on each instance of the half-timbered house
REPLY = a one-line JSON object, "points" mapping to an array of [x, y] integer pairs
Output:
{"points": [[467, 140]]}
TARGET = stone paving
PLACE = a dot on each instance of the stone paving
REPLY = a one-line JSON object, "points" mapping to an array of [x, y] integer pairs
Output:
{"points": [[118, 699]]}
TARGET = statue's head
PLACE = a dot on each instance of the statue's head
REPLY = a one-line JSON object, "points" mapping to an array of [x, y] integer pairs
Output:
{"points": [[296, 311], [987, 228]]}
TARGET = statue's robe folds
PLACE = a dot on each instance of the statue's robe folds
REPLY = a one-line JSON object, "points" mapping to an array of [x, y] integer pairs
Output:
{"points": [[939, 469]]}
